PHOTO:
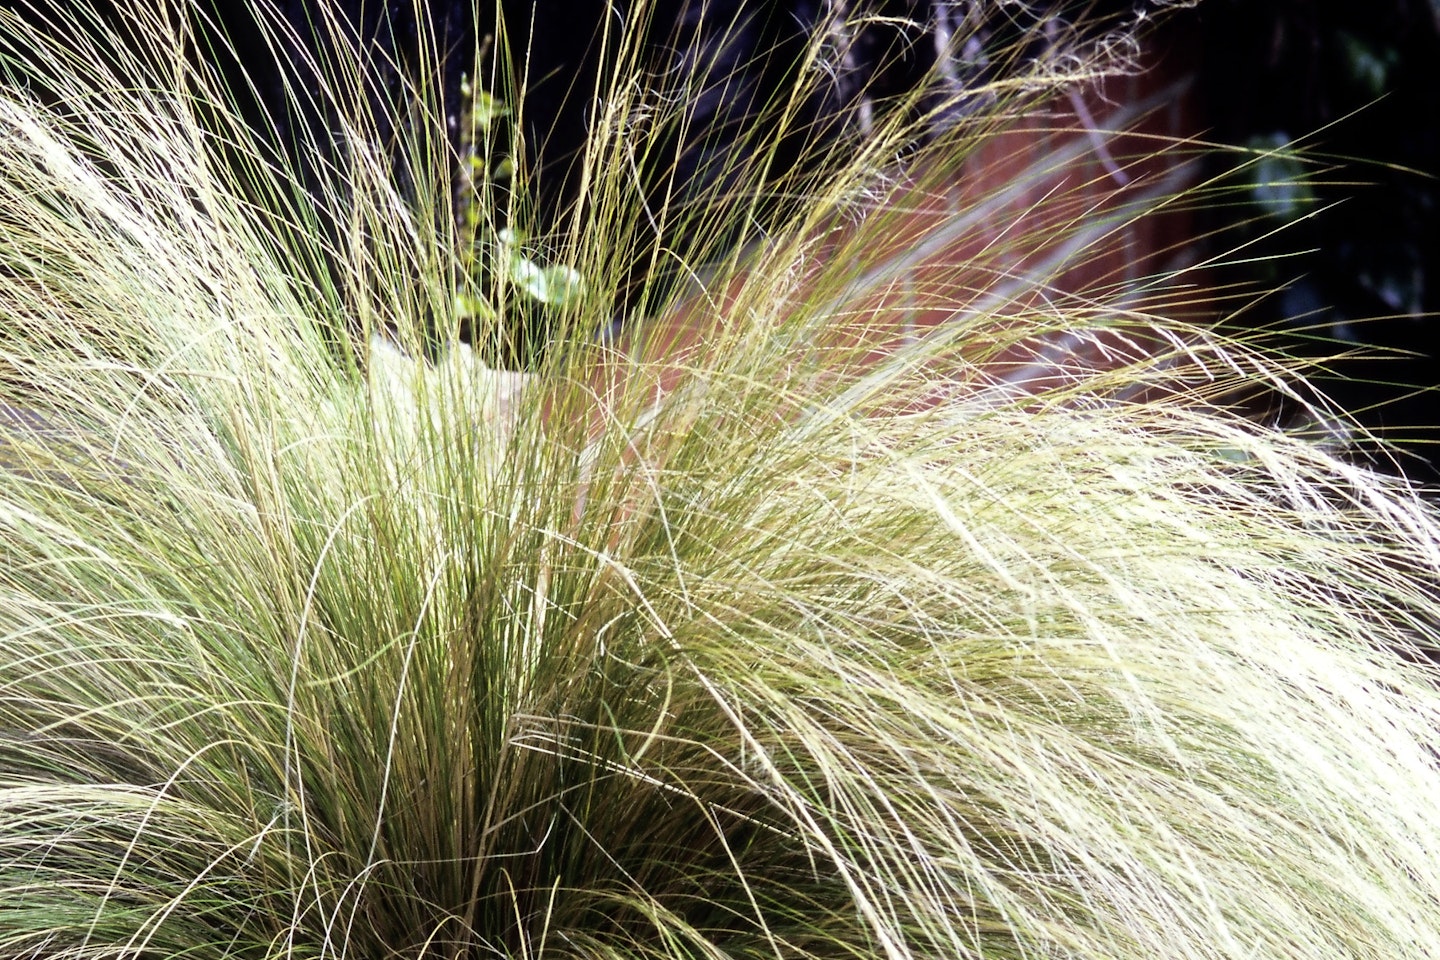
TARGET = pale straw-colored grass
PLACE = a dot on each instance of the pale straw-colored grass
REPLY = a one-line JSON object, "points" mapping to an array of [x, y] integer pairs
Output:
{"points": [[315, 652]]}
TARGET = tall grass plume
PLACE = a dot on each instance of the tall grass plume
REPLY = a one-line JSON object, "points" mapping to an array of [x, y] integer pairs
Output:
{"points": [[322, 637]]}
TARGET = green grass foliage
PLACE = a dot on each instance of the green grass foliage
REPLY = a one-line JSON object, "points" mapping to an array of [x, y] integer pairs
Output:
{"points": [[319, 653]]}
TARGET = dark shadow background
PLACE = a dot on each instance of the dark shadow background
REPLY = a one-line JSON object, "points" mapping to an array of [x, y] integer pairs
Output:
{"points": [[1356, 261]]}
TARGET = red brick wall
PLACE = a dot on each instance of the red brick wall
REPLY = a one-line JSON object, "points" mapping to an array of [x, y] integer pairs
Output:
{"points": [[1061, 208]]}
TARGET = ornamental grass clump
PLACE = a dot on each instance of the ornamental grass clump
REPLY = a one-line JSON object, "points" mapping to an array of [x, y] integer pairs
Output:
{"points": [[321, 637]]}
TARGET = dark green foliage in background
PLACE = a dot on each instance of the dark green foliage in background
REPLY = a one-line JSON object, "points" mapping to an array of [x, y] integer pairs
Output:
{"points": [[1360, 83]]}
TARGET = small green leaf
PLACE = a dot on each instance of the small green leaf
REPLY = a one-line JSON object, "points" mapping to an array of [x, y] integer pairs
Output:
{"points": [[468, 307], [485, 110], [563, 285], [530, 277], [1278, 179], [1369, 66]]}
